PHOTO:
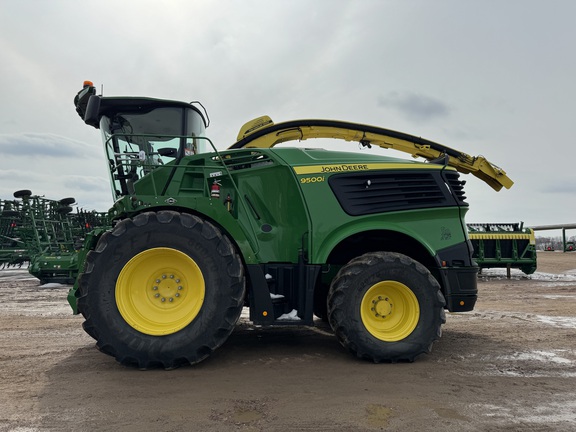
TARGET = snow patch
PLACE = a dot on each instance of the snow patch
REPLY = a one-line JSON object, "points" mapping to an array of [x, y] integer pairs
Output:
{"points": [[16, 274], [500, 273], [558, 296], [291, 316], [538, 355], [550, 413], [245, 314], [53, 285], [555, 321]]}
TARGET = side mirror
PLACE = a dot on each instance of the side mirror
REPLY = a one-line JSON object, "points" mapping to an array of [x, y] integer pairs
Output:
{"points": [[81, 99]]}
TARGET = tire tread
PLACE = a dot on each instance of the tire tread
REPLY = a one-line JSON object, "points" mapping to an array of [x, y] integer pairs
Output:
{"points": [[354, 336], [153, 352]]}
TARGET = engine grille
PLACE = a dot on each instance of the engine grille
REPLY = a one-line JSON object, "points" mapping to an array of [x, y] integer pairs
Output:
{"points": [[379, 192]]}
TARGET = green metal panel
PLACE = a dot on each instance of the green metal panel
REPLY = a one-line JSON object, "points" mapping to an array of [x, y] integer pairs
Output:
{"points": [[275, 212], [434, 228], [259, 206], [281, 201]]}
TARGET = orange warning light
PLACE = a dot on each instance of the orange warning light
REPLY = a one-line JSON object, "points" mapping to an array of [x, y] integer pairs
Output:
{"points": [[88, 83], [265, 313], [461, 302]]}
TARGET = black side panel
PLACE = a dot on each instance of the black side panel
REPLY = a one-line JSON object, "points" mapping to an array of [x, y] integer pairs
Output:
{"points": [[461, 288], [458, 277], [369, 192], [277, 289], [459, 255], [261, 308]]}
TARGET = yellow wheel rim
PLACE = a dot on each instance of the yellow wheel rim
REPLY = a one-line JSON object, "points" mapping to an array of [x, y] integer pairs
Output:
{"points": [[160, 291], [390, 311]]}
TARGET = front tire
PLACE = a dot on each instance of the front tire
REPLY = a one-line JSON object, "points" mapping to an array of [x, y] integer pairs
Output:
{"points": [[386, 307], [161, 290]]}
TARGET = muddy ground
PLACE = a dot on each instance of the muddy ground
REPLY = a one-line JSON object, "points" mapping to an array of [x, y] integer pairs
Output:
{"points": [[508, 366]]}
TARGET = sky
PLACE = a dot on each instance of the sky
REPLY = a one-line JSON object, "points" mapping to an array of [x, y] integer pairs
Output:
{"points": [[494, 78]]}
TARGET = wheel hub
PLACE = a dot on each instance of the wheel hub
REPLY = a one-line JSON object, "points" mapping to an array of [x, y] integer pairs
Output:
{"points": [[167, 289], [382, 307]]}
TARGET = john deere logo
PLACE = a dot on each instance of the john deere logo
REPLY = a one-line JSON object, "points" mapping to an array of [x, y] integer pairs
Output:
{"points": [[445, 233]]}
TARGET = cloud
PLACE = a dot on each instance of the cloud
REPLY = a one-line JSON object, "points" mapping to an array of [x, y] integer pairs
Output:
{"points": [[86, 183], [90, 192], [414, 106], [562, 184], [328, 59], [41, 145]]}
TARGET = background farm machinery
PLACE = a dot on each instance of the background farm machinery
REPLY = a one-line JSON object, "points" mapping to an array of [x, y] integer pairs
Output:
{"points": [[503, 245], [12, 248], [562, 243], [46, 233]]}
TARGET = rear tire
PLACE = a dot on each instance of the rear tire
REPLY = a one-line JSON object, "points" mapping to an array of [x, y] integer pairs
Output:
{"points": [[386, 307], [161, 290]]}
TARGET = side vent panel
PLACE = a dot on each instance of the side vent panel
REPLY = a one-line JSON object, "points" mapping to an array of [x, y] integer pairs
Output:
{"points": [[379, 192]]}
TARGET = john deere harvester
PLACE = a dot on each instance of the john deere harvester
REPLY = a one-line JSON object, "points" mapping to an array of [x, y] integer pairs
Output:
{"points": [[376, 245]]}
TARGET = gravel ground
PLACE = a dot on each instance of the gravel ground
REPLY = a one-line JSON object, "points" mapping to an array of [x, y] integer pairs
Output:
{"points": [[510, 365]]}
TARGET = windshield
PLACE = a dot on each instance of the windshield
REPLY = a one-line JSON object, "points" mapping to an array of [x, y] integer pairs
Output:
{"points": [[138, 143]]}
